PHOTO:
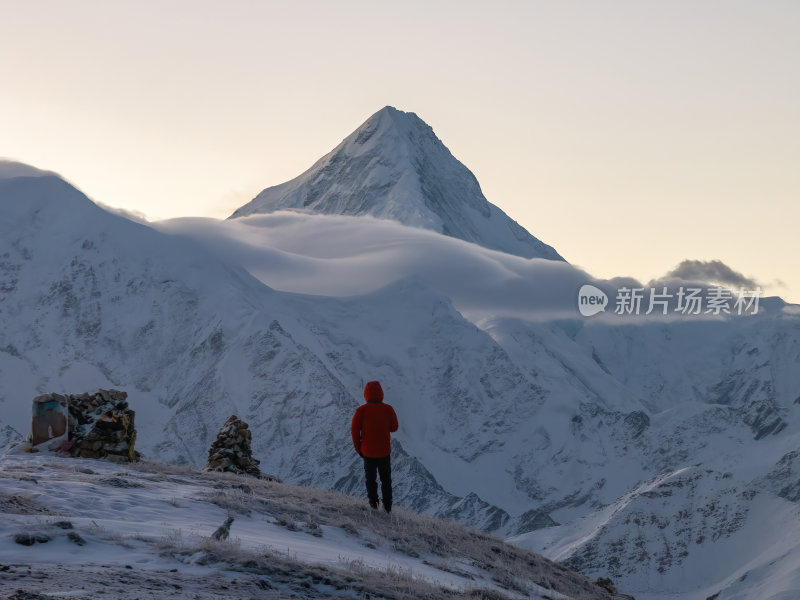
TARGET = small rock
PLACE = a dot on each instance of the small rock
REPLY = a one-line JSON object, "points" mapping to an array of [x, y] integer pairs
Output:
{"points": [[23, 595], [29, 539], [119, 482], [24, 539], [76, 539], [606, 583]]}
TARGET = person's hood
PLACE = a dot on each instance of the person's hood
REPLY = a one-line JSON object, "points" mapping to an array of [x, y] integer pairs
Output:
{"points": [[373, 392]]}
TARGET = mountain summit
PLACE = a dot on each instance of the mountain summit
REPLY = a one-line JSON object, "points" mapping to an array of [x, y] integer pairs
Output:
{"points": [[394, 167]]}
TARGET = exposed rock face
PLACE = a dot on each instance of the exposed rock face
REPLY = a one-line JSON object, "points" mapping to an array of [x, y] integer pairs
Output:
{"points": [[231, 450], [101, 425]]}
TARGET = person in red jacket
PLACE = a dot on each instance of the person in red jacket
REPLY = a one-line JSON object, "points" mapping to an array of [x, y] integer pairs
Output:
{"points": [[371, 429]]}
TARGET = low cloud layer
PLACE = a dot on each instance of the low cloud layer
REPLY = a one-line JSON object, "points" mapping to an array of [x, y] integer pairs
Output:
{"points": [[339, 256], [351, 256], [711, 271]]}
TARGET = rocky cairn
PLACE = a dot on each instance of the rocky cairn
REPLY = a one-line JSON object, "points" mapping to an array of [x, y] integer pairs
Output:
{"points": [[231, 450], [101, 425]]}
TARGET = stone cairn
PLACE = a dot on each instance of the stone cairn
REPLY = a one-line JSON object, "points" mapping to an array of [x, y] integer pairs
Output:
{"points": [[231, 450], [101, 425]]}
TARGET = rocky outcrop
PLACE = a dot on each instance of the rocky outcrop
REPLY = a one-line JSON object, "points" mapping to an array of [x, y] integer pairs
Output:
{"points": [[101, 425]]}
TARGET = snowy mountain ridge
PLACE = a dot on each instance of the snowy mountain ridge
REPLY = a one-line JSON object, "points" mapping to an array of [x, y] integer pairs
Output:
{"points": [[641, 449], [394, 167]]}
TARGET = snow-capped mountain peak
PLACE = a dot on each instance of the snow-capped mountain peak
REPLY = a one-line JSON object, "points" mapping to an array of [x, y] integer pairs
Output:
{"points": [[394, 167]]}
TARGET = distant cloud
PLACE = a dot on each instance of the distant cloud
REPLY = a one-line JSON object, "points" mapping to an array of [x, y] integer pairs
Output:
{"points": [[623, 281], [711, 271]]}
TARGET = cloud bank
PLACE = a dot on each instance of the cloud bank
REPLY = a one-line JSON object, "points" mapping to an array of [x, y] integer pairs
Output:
{"points": [[351, 256], [711, 271], [344, 256]]}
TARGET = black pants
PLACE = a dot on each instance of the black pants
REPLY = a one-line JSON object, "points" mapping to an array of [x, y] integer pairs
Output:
{"points": [[373, 467]]}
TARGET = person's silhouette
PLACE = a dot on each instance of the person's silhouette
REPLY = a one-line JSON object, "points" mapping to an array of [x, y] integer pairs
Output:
{"points": [[371, 429]]}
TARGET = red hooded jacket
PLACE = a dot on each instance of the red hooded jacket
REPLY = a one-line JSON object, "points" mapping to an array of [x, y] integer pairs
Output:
{"points": [[373, 424]]}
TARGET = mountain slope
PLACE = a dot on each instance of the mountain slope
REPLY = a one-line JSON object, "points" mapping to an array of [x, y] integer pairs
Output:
{"points": [[670, 435], [126, 531], [93, 300], [394, 167]]}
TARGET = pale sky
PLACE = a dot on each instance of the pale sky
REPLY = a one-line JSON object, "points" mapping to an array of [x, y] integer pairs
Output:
{"points": [[628, 135]]}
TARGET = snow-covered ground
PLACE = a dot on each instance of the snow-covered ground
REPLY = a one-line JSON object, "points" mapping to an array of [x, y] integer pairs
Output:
{"points": [[69, 527]]}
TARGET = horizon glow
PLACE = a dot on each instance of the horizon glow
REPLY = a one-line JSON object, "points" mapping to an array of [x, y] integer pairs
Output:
{"points": [[629, 136]]}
